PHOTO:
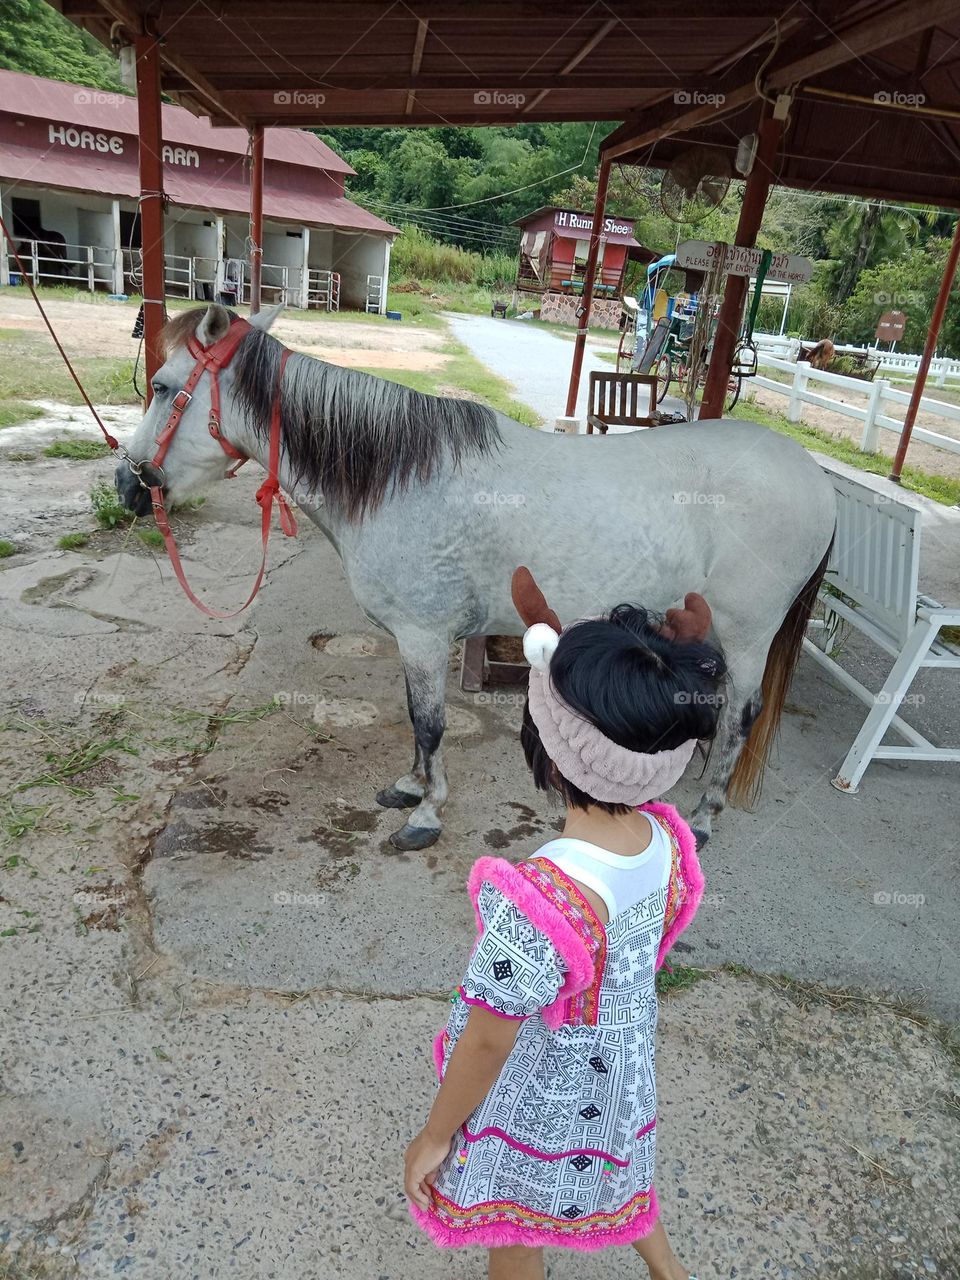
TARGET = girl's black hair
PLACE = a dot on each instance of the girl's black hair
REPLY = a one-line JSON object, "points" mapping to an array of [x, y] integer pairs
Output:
{"points": [[641, 690]]}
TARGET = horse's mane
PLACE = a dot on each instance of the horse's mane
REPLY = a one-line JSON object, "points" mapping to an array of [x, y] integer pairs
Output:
{"points": [[350, 435]]}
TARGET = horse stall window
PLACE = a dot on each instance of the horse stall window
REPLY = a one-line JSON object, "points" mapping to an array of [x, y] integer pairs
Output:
{"points": [[26, 217]]}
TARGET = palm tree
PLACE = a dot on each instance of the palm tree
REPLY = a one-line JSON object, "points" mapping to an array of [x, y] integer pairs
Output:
{"points": [[869, 232]]}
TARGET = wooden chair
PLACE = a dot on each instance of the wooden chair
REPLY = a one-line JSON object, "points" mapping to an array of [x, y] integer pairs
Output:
{"points": [[616, 400]]}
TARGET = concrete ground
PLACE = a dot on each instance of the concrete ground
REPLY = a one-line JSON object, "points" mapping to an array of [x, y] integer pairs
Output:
{"points": [[221, 981]]}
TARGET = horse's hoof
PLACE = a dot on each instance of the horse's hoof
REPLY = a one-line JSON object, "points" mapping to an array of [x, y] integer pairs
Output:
{"points": [[393, 798], [409, 838], [701, 837]]}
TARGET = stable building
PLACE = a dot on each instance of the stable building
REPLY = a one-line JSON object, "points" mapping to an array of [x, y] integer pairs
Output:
{"points": [[69, 189], [554, 245]]}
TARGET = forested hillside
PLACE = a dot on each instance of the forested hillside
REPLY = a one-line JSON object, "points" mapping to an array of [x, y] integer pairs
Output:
{"points": [[464, 187]]}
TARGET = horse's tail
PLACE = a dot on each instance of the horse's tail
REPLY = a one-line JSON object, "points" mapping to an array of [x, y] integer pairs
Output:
{"points": [[782, 659]]}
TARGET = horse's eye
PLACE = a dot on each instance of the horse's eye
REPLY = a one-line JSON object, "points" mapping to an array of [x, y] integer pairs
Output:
{"points": [[159, 389]]}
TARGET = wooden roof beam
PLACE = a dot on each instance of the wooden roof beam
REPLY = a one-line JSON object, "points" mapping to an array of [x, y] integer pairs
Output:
{"points": [[421, 39], [584, 51], [852, 42]]}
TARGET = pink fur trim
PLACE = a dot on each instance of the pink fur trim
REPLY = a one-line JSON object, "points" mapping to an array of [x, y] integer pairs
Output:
{"points": [[492, 1131], [690, 872], [501, 1234], [543, 916], [438, 1052]]}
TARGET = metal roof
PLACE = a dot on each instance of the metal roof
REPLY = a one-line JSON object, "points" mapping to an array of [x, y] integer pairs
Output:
{"points": [[691, 73], [101, 109]]}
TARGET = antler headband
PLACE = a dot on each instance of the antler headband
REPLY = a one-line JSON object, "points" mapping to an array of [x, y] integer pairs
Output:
{"points": [[586, 757]]}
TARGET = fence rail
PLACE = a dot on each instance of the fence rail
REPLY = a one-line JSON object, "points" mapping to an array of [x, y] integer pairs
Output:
{"points": [[198, 278], [872, 412], [942, 368]]}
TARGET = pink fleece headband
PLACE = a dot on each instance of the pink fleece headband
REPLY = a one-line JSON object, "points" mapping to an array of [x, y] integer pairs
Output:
{"points": [[585, 756], [591, 761]]}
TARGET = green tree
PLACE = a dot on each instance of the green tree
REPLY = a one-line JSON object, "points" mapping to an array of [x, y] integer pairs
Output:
{"points": [[36, 39]]}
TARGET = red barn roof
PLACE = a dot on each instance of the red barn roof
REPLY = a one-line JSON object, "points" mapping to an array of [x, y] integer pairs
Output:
{"points": [[303, 177]]}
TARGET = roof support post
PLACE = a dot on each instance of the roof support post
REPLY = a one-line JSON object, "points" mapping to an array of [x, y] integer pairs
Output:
{"points": [[256, 216], [936, 323], [4, 260], [151, 201], [735, 290], [589, 275]]}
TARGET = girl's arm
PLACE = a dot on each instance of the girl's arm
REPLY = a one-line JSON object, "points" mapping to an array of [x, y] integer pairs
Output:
{"points": [[474, 1066]]}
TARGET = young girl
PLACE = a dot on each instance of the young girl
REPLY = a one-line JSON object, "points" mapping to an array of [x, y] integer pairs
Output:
{"points": [[544, 1128]]}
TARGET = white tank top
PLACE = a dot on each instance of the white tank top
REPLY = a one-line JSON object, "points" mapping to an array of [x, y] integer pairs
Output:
{"points": [[620, 880]]}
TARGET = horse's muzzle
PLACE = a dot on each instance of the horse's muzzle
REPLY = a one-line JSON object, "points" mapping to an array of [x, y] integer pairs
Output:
{"points": [[131, 492]]}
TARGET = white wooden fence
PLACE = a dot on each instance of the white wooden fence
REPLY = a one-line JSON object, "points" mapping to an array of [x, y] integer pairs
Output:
{"points": [[873, 410], [942, 369]]}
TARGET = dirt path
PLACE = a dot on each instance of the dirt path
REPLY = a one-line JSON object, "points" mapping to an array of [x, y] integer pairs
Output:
{"points": [[104, 329]]}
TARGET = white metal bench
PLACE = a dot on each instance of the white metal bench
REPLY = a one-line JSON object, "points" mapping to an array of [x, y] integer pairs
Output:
{"points": [[875, 567]]}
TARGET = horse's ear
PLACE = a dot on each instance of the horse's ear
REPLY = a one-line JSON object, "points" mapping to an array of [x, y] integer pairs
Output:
{"points": [[214, 325], [264, 319]]}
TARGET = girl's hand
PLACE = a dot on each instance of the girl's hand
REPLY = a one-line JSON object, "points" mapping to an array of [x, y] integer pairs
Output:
{"points": [[425, 1155]]}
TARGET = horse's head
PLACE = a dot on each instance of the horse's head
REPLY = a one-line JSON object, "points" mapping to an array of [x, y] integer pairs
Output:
{"points": [[195, 457]]}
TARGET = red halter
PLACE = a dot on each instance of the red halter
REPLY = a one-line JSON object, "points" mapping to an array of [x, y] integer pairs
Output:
{"points": [[150, 474]]}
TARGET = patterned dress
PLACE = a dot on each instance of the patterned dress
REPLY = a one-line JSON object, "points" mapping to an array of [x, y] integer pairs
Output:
{"points": [[561, 1151]]}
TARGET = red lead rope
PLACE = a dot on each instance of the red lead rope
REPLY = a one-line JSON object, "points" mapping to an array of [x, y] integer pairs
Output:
{"points": [[269, 490], [211, 359]]}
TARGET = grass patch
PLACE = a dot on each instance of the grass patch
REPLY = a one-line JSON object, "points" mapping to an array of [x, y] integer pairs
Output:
{"points": [[107, 507], [6, 549], [77, 450], [463, 374], [14, 412], [21, 457], [73, 541], [150, 537], [680, 978], [32, 370], [943, 489]]}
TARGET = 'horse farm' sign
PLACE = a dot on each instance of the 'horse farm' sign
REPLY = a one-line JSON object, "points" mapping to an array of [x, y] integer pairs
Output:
{"points": [[63, 135], [703, 255]]}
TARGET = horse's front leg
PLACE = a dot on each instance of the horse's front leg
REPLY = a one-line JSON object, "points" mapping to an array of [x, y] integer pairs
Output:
{"points": [[424, 788]]}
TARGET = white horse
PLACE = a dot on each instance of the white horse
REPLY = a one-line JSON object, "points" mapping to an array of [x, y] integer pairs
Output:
{"points": [[432, 503]]}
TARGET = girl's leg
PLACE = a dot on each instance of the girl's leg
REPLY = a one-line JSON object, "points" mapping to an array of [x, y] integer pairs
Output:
{"points": [[517, 1263], [662, 1262]]}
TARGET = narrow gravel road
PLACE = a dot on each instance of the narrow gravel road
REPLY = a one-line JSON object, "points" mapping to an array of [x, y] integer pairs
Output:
{"points": [[535, 361]]}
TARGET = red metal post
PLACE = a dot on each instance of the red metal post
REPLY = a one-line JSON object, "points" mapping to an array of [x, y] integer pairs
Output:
{"points": [[735, 292], [147, 51], [936, 323], [589, 275], [256, 215]]}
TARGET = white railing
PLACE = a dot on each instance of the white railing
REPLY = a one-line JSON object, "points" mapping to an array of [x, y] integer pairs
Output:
{"points": [[942, 368], [323, 289], [871, 412], [84, 265]]}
